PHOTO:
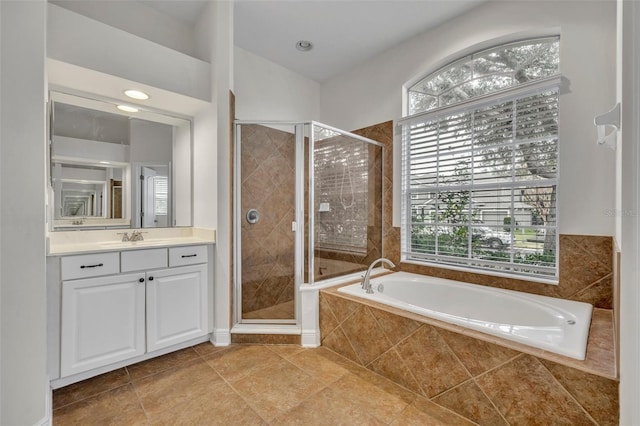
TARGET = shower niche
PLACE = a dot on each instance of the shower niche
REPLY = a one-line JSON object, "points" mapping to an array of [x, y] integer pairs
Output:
{"points": [[307, 209]]}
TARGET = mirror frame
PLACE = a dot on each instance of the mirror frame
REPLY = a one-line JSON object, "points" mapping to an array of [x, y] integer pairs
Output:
{"points": [[66, 95]]}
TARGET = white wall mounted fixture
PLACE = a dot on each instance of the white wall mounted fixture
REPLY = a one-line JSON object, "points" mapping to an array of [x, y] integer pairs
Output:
{"points": [[610, 118]]}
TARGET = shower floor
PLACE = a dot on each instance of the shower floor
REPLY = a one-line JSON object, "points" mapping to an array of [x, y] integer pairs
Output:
{"points": [[280, 311]]}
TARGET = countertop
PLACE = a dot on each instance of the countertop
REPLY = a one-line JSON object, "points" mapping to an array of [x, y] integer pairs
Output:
{"points": [[79, 242]]}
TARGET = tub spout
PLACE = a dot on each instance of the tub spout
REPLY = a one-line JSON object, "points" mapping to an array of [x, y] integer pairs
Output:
{"points": [[366, 283]]}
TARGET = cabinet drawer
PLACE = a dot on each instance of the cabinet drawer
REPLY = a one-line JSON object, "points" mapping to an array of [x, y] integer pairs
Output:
{"points": [[89, 265], [187, 255], [138, 260]]}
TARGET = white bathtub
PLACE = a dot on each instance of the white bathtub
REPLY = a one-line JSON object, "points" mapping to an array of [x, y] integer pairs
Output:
{"points": [[555, 325]]}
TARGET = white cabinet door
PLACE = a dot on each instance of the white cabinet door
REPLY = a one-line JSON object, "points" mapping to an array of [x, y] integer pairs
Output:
{"points": [[176, 305], [102, 321]]}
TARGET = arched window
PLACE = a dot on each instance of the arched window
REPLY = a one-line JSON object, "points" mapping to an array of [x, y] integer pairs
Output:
{"points": [[486, 72], [480, 160]]}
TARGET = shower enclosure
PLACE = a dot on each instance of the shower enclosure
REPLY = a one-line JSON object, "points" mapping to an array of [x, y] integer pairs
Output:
{"points": [[307, 208]]}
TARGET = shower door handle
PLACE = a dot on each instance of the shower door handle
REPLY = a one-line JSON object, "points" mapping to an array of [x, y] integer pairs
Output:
{"points": [[294, 226]]}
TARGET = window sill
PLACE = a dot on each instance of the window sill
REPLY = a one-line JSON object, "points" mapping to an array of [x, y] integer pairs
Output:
{"points": [[494, 273]]}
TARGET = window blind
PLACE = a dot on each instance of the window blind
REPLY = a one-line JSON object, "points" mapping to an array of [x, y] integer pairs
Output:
{"points": [[479, 183], [341, 194], [161, 192]]}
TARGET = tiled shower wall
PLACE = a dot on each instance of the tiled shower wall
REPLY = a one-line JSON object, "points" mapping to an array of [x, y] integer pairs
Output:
{"points": [[585, 261], [335, 263], [267, 171]]}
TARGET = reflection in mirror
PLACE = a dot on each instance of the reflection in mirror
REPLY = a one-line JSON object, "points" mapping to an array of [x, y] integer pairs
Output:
{"points": [[114, 169], [87, 191]]}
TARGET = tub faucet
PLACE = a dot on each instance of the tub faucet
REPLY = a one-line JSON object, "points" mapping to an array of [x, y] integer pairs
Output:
{"points": [[366, 283]]}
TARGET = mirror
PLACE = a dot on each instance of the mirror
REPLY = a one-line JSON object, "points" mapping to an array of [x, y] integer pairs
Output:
{"points": [[115, 169]]}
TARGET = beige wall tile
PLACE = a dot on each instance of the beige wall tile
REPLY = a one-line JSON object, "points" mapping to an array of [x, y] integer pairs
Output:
{"points": [[395, 327], [337, 341], [476, 355], [436, 369], [526, 393], [365, 335], [393, 367], [598, 396], [469, 401]]}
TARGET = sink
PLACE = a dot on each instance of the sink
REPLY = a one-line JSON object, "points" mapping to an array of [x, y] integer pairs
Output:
{"points": [[129, 244]]}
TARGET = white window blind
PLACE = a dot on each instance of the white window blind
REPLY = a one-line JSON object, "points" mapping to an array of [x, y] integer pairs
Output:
{"points": [[161, 195], [480, 181], [341, 194]]}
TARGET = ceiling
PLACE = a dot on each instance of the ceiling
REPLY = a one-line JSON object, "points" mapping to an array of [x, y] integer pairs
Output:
{"points": [[344, 33]]}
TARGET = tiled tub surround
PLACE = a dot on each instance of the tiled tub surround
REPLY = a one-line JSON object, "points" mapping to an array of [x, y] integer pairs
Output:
{"points": [[556, 325], [483, 378], [585, 263]]}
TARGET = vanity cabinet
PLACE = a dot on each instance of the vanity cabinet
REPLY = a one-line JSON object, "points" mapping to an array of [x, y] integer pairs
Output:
{"points": [[176, 305], [117, 306], [103, 321]]}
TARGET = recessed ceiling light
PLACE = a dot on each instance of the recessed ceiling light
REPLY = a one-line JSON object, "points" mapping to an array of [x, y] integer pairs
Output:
{"points": [[304, 45], [127, 108], [136, 94]]}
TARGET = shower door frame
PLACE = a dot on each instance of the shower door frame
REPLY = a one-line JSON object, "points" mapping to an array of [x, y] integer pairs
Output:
{"points": [[275, 325], [312, 186], [284, 326]]}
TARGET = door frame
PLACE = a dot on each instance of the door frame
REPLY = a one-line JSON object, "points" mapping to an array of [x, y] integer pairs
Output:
{"points": [[280, 326], [136, 192]]}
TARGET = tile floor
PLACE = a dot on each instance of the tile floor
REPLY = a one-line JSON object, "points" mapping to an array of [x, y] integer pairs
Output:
{"points": [[245, 385]]}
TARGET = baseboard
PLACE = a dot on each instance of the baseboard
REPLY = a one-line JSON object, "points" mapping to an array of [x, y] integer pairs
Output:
{"points": [[310, 339], [221, 337]]}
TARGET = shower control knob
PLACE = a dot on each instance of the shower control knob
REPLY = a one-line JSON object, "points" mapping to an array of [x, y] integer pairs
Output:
{"points": [[252, 216]]}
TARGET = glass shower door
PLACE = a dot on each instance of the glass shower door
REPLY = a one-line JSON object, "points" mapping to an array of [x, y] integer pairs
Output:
{"points": [[346, 207], [265, 185]]}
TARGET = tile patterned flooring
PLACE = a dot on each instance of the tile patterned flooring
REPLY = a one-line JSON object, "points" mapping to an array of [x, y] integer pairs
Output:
{"points": [[245, 385]]}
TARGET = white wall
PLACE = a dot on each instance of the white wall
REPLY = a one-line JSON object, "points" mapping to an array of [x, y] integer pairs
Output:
{"points": [[150, 142], [223, 83], [629, 215], [84, 42], [372, 92], [205, 184], [24, 387], [72, 148], [267, 91], [182, 175], [125, 15], [212, 155]]}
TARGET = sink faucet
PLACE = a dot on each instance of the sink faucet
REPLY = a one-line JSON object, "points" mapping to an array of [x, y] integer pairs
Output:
{"points": [[125, 236], [136, 236], [366, 284]]}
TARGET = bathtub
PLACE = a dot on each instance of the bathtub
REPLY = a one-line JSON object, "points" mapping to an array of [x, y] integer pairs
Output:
{"points": [[554, 325]]}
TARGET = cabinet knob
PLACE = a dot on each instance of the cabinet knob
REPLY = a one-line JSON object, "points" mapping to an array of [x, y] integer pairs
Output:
{"points": [[150, 278], [141, 280]]}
